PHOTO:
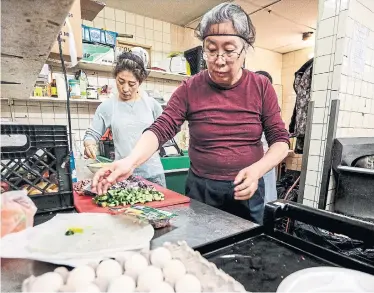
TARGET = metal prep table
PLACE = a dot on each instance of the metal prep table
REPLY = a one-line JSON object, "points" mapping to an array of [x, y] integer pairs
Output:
{"points": [[196, 223]]}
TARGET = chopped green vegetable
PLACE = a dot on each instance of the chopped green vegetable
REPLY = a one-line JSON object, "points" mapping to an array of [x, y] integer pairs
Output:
{"points": [[128, 196], [69, 232]]}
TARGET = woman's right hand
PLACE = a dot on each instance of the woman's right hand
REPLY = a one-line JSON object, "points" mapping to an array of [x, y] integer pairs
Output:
{"points": [[111, 174], [90, 149]]}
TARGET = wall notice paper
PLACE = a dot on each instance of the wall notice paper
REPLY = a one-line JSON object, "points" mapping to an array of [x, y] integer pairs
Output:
{"points": [[92, 238]]}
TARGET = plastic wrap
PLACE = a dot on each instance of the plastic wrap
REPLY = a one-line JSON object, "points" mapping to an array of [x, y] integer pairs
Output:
{"points": [[17, 212]]}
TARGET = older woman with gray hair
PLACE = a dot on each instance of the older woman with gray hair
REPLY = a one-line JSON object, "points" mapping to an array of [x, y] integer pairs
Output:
{"points": [[228, 108]]}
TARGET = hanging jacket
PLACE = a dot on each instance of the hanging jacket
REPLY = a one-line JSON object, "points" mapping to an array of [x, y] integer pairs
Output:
{"points": [[302, 86]]}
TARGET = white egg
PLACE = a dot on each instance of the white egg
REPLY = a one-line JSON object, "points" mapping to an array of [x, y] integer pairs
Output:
{"points": [[87, 288], [26, 284], [64, 273], [188, 283], [48, 282], [160, 256], [162, 287], [109, 269], [67, 289], [81, 275], [122, 284], [102, 284], [148, 278], [173, 271], [135, 265], [123, 256]]}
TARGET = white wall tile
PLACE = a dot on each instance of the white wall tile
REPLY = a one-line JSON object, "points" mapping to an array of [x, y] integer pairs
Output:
{"points": [[320, 82], [121, 27], [120, 15], [140, 32], [315, 147], [99, 22], [130, 29], [342, 24], [309, 192], [328, 7], [316, 131], [130, 18], [110, 25], [109, 13], [319, 98], [324, 46], [309, 203], [157, 36], [311, 178], [322, 64], [149, 34], [148, 23], [157, 25], [139, 20], [166, 27], [326, 28], [166, 38]]}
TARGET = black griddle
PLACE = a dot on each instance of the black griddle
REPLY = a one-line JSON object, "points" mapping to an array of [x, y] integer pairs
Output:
{"points": [[262, 257]]}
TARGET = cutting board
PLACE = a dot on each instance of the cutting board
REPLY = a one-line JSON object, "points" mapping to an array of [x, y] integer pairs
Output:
{"points": [[85, 204]]}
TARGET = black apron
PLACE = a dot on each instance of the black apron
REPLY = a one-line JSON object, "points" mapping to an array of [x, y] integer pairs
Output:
{"points": [[220, 194]]}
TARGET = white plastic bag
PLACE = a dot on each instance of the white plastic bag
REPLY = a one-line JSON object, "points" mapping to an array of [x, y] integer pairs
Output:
{"points": [[17, 212]]}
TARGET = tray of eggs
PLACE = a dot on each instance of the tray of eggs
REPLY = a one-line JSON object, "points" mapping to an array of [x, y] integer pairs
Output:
{"points": [[174, 267]]}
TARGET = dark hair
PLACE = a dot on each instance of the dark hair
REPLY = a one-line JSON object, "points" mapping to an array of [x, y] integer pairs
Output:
{"points": [[132, 63], [267, 74], [225, 12]]}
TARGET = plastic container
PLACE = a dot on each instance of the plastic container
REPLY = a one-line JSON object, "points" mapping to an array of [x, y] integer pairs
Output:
{"points": [[36, 158], [75, 90], [92, 93]]}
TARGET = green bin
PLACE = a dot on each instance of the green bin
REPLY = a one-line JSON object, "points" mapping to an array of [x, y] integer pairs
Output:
{"points": [[176, 171]]}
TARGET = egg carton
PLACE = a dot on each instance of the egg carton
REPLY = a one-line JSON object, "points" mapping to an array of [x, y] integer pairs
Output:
{"points": [[212, 279], [174, 267]]}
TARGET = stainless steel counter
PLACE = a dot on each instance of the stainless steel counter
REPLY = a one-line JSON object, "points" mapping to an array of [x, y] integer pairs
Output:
{"points": [[196, 223]]}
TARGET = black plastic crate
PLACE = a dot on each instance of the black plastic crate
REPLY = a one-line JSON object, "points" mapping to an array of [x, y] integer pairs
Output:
{"points": [[195, 58], [36, 158]]}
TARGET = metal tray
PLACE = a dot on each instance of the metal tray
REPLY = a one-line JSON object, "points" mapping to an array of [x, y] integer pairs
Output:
{"points": [[262, 257]]}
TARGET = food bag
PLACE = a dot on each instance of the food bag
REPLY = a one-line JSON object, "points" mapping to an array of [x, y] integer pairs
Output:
{"points": [[157, 218], [17, 212]]}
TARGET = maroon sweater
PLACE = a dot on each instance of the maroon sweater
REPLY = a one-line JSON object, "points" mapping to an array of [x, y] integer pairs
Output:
{"points": [[225, 124]]}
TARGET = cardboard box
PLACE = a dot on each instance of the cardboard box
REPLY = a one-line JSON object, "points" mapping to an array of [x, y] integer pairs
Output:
{"points": [[75, 22], [98, 54]]}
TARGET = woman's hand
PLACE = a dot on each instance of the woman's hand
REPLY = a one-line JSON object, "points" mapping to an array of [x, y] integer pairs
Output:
{"points": [[107, 176], [247, 183], [90, 149]]}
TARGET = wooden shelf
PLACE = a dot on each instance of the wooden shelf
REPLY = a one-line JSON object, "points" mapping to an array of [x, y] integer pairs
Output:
{"points": [[57, 100], [152, 73]]}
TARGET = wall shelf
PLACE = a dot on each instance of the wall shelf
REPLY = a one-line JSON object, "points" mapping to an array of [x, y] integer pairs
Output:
{"points": [[152, 73], [57, 100]]}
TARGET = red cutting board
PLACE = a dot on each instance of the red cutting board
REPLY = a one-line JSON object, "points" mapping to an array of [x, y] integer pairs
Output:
{"points": [[84, 203]]}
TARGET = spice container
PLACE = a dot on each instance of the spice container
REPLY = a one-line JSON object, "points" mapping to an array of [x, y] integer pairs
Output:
{"points": [[75, 90], [92, 93]]}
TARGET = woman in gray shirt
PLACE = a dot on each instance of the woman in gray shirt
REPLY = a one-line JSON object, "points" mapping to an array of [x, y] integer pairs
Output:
{"points": [[127, 115]]}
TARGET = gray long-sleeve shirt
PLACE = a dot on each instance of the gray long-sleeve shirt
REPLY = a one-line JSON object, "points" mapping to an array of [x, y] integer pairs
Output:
{"points": [[127, 120]]}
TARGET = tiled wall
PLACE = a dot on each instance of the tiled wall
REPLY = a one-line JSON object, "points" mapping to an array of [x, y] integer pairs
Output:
{"points": [[291, 62], [344, 70]]}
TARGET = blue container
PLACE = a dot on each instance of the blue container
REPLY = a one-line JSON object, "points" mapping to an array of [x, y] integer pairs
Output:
{"points": [[95, 35]]}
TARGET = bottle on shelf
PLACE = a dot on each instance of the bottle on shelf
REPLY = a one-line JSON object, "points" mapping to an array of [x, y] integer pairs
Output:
{"points": [[54, 93]]}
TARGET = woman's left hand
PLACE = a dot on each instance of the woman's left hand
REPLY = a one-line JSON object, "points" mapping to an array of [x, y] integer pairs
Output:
{"points": [[247, 183]]}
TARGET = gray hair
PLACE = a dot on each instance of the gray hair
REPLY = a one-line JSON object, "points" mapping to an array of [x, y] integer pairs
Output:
{"points": [[226, 12]]}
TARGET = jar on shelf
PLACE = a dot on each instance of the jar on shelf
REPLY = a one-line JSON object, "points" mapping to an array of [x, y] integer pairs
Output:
{"points": [[75, 90]]}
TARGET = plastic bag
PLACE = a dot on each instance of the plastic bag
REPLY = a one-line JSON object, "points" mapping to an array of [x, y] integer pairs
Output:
{"points": [[157, 218], [17, 212]]}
